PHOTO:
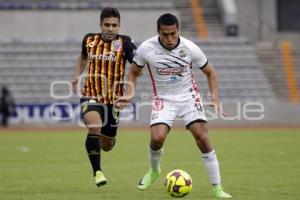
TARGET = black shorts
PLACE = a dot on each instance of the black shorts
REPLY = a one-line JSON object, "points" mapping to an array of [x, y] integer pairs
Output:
{"points": [[109, 115]]}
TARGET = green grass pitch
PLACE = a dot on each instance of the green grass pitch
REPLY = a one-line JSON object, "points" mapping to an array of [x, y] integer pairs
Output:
{"points": [[258, 164]]}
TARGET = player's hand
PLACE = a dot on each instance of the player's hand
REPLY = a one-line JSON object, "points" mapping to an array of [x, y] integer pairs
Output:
{"points": [[74, 84], [216, 105], [122, 102]]}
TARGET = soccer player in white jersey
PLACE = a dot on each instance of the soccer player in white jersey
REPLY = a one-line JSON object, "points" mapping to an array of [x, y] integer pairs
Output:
{"points": [[169, 59]]}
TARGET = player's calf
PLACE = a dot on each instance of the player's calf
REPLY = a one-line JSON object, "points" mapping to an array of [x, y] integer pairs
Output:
{"points": [[108, 145]]}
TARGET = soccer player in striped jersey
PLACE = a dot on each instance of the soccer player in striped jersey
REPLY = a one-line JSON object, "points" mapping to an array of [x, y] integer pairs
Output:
{"points": [[105, 55], [169, 58]]}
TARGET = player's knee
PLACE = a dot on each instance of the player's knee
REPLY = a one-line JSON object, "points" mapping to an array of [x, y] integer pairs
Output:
{"points": [[95, 131], [157, 142]]}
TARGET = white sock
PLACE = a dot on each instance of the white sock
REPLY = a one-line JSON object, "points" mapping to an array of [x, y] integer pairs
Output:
{"points": [[155, 157], [212, 167]]}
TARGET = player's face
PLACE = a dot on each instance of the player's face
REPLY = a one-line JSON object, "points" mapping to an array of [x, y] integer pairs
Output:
{"points": [[110, 28], [169, 36]]}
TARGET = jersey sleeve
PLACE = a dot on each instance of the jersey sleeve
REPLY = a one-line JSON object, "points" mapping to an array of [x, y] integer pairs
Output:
{"points": [[139, 57], [83, 46], [129, 48], [198, 57]]}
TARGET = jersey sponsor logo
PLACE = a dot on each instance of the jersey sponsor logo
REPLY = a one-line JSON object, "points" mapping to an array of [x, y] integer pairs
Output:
{"points": [[172, 71], [109, 56], [174, 80]]}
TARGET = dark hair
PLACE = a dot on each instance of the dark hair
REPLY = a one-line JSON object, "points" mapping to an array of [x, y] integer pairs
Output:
{"points": [[167, 19], [109, 12]]}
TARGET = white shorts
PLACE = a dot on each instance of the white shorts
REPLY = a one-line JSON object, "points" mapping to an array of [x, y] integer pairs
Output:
{"points": [[165, 112]]}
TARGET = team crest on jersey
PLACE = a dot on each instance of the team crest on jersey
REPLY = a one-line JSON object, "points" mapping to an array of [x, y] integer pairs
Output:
{"points": [[91, 44], [116, 45], [182, 53]]}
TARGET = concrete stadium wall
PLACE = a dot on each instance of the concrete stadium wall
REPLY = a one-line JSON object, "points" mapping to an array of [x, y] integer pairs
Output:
{"points": [[258, 21], [140, 25], [257, 18]]}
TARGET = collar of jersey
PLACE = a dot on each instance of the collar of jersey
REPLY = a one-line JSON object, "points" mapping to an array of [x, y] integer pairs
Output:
{"points": [[102, 38], [172, 48]]}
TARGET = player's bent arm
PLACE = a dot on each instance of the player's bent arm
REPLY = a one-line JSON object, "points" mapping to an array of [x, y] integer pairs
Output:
{"points": [[124, 101], [134, 72], [80, 66], [211, 75]]}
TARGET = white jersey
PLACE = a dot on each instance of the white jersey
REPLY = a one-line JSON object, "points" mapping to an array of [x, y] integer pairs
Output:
{"points": [[171, 70]]}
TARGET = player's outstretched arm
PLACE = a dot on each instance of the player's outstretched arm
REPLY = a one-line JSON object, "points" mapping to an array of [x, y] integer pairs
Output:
{"points": [[80, 66], [130, 83], [211, 75]]}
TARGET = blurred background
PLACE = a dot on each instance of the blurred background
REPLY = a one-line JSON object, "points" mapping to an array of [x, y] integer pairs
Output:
{"points": [[254, 45]]}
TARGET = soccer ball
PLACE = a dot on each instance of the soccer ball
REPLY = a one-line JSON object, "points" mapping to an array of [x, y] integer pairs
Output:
{"points": [[178, 183]]}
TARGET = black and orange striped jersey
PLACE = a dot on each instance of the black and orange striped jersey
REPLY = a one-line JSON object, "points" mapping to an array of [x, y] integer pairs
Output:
{"points": [[106, 66]]}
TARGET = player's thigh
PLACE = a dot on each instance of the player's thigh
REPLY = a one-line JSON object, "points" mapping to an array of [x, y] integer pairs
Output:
{"points": [[93, 121], [92, 114]]}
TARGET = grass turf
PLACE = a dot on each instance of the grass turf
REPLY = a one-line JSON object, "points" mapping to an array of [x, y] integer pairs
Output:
{"points": [[255, 164]]}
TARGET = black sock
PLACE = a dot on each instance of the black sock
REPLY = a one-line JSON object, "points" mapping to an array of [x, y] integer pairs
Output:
{"points": [[92, 145]]}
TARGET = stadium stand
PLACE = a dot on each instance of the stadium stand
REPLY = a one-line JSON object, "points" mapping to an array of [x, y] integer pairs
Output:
{"points": [[29, 66], [210, 13], [270, 55], [212, 18], [249, 70], [81, 4]]}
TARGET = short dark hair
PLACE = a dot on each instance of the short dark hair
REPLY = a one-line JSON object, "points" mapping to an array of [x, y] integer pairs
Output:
{"points": [[167, 19], [109, 12]]}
